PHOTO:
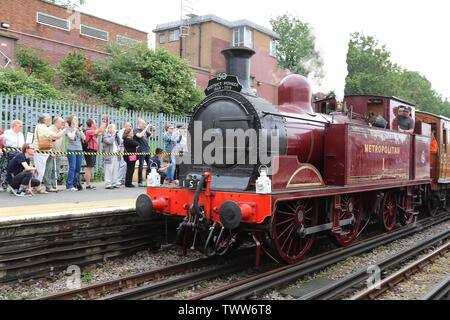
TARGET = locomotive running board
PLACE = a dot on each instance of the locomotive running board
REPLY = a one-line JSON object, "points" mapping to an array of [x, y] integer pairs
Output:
{"points": [[302, 232]]}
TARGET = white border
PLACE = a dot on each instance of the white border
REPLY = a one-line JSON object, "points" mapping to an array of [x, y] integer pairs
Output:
{"points": [[45, 24]]}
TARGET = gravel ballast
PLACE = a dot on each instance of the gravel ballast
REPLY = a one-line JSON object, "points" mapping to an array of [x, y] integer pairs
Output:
{"points": [[149, 260]]}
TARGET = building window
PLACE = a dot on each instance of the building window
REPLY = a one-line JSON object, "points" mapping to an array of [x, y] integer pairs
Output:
{"points": [[273, 44], [243, 37], [174, 35], [162, 38]]}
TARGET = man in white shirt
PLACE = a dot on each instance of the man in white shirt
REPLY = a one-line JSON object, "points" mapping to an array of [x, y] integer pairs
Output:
{"points": [[12, 138]]}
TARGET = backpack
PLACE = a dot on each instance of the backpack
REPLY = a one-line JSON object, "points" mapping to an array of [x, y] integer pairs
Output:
{"points": [[85, 144]]}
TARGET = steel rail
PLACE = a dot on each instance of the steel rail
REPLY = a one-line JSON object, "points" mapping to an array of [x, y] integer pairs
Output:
{"points": [[438, 292], [176, 283], [401, 275], [279, 276], [338, 287], [132, 281]]}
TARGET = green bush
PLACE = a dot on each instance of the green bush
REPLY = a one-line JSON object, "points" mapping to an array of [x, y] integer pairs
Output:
{"points": [[73, 69], [19, 83], [31, 60]]}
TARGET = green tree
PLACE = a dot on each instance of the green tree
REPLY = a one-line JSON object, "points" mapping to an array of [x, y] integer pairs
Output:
{"points": [[139, 78], [370, 70], [417, 89], [295, 50]]}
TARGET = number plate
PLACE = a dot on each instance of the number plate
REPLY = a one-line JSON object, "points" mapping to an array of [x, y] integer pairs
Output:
{"points": [[190, 183]]}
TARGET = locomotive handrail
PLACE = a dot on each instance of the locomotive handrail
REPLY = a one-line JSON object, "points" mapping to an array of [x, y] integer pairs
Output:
{"points": [[293, 117]]}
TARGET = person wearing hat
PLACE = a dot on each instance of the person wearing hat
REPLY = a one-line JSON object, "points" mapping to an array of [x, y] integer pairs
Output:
{"points": [[405, 122]]}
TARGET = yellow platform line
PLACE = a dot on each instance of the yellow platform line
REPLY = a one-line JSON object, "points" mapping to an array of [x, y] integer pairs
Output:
{"points": [[65, 207]]}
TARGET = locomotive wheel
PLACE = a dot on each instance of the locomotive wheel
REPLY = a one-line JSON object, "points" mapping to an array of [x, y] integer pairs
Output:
{"points": [[286, 244], [388, 212], [351, 205], [405, 218], [432, 205]]}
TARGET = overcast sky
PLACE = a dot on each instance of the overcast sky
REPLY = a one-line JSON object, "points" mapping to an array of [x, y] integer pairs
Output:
{"points": [[416, 33]]}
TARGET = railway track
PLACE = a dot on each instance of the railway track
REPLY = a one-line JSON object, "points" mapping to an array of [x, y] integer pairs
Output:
{"points": [[401, 275], [136, 286], [40, 249], [338, 288], [246, 288], [439, 292]]}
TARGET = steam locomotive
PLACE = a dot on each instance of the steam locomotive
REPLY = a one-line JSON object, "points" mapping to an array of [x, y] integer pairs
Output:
{"points": [[281, 174]]}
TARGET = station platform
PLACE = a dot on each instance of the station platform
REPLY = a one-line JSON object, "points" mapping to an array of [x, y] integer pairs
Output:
{"points": [[64, 203]]}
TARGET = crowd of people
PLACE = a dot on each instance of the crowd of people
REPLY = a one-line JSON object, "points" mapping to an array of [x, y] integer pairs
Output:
{"points": [[26, 178]]}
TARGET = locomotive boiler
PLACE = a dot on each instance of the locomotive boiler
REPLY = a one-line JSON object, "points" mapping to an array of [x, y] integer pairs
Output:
{"points": [[283, 173]]}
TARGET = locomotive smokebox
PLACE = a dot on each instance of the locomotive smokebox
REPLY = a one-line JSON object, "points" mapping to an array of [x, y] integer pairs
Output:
{"points": [[238, 64]]}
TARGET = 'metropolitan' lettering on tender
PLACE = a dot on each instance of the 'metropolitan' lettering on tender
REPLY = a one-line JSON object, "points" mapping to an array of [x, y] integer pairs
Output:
{"points": [[373, 148]]}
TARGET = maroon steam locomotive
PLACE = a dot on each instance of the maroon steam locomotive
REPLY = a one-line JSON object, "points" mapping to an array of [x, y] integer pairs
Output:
{"points": [[336, 168]]}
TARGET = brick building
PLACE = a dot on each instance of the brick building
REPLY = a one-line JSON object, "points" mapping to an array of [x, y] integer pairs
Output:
{"points": [[202, 38], [43, 25]]}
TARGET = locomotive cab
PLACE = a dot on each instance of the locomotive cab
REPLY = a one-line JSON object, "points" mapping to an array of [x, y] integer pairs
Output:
{"points": [[367, 107]]}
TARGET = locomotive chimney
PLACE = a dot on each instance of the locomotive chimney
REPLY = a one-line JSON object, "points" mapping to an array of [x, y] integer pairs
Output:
{"points": [[238, 64]]}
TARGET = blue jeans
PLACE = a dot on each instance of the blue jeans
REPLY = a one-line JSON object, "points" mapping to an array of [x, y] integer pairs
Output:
{"points": [[74, 168], [141, 165], [171, 170]]}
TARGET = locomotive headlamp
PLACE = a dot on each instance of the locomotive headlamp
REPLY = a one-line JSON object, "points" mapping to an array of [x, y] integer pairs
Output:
{"points": [[263, 183], [153, 178]]}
